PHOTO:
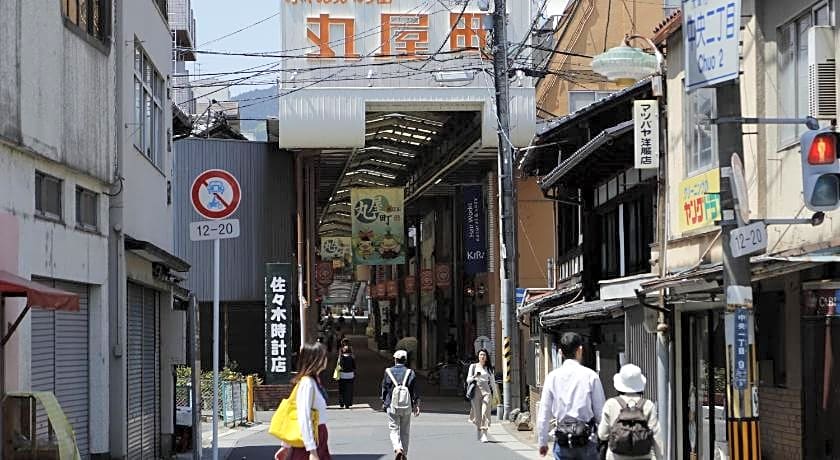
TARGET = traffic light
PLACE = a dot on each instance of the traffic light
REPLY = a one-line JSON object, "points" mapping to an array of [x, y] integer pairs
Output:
{"points": [[820, 169]]}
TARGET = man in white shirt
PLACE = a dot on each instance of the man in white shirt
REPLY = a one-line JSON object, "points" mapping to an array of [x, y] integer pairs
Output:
{"points": [[573, 395]]}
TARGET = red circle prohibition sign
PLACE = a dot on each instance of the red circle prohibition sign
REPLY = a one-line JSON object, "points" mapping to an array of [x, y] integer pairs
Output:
{"points": [[215, 194]]}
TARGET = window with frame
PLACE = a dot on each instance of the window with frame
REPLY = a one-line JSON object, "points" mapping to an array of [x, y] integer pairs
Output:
{"points": [[149, 98], [580, 99], [92, 17], [87, 206], [48, 195], [792, 43], [700, 135]]}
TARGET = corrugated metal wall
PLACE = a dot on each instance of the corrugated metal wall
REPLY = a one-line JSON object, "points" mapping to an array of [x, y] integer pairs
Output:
{"points": [[640, 347], [266, 214]]}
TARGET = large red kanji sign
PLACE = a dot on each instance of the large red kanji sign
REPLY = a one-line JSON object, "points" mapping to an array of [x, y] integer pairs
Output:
{"points": [[215, 194]]}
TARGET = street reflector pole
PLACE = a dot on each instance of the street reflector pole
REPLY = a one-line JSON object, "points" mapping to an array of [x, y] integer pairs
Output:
{"points": [[507, 212], [216, 349]]}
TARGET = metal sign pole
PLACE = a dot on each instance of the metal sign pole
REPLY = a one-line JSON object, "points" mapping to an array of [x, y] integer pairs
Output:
{"points": [[216, 349]]}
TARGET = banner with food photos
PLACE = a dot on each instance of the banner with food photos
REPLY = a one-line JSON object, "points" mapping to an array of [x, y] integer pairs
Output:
{"points": [[378, 226]]}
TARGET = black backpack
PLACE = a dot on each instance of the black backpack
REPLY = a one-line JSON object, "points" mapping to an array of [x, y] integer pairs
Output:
{"points": [[630, 434]]}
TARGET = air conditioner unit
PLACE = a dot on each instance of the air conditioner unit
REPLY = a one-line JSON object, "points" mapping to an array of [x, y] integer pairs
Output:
{"points": [[822, 71]]}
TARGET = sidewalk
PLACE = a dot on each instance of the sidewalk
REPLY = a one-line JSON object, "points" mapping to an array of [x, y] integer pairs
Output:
{"points": [[228, 439], [520, 442]]}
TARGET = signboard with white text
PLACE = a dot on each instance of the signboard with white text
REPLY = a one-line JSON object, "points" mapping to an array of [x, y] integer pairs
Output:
{"points": [[712, 30], [646, 133], [279, 322]]}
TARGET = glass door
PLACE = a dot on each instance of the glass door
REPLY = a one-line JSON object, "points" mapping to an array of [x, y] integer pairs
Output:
{"points": [[704, 380]]}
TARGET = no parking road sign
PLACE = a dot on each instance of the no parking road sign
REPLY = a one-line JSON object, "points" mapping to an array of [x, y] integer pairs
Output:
{"points": [[215, 194]]}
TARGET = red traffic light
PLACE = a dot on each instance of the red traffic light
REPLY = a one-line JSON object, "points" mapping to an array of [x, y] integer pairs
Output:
{"points": [[823, 150]]}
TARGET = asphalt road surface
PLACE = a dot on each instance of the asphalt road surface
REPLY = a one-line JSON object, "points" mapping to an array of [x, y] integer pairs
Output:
{"points": [[442, 432]]}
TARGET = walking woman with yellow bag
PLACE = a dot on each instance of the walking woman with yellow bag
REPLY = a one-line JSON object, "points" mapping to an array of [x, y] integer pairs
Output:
{"points": [[300, 421]]}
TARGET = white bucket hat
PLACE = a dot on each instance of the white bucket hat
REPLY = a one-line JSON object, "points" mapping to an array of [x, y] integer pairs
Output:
{"points": [[629, 379]]}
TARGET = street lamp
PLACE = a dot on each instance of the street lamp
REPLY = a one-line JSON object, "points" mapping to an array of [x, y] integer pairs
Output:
{"points": [[626, 64]]}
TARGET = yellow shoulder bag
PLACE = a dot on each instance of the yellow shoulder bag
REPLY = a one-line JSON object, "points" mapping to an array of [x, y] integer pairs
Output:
{"points": [[284, 422]]}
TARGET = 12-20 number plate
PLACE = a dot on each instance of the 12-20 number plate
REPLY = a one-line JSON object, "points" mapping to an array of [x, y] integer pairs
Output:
{"points": [[749, 239], [214, 229]]}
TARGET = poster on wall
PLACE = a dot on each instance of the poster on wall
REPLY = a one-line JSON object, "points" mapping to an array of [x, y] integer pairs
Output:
{"points": [[378, 233], [338, 251], [279, 322], [475, 243], [699, 201]]}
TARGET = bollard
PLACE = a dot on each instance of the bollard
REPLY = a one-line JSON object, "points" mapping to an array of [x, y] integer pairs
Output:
{"points": [[250, 382]]}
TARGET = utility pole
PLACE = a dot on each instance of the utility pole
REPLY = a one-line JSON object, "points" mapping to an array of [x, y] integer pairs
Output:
{"points": [[507, 210], [741, 373]]}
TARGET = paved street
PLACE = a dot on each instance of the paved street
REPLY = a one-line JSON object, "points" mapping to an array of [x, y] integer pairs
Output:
{"points": [[442, 432]]}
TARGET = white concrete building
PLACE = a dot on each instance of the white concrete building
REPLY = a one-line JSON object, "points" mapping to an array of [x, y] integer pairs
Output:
{"points": [[148, 333], [56, 162]]}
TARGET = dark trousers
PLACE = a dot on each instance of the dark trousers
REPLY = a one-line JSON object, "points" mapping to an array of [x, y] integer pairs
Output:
{"points": [[345, 392]]}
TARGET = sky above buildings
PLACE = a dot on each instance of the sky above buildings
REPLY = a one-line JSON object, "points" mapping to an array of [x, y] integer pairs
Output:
{"points": [[216, 19]]}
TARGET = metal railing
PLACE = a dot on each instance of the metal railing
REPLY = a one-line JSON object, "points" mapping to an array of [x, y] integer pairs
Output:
{"points": [[233, 401]]}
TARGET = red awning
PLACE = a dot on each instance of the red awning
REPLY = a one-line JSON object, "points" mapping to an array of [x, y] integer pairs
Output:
{"points": [[37, 295]]}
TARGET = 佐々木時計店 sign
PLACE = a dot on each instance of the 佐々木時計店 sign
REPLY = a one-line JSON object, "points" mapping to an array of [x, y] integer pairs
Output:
{"points": [[279, 322]]}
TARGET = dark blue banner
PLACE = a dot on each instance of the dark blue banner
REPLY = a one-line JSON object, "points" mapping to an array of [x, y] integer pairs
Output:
{"points": [[475, 231]]}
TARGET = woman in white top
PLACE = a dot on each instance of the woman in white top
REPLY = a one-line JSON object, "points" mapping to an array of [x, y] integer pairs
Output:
{"points": [[310, 395], [481, 375], [630, 384]]}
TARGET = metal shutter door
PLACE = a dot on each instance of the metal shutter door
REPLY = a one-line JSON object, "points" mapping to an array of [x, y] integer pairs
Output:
{"points": [[143, 368], [43, 359], [134, 365], [60, 356], [72, 376], [151, 375]]}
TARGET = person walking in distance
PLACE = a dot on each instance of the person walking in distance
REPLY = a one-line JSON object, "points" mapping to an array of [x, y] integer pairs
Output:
{"points": [[629, 423], [480, 387], [346, 376], [572, 394], [400, 399]]}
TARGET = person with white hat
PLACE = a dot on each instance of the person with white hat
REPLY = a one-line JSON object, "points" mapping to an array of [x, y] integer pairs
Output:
{"points": [[400, 399], [629, 424]]}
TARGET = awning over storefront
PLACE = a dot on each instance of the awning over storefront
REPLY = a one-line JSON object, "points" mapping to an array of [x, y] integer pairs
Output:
{"points": [[586, 157], [547, 299], [579, 311], [706, 278], [37, 295], [157, 254]]}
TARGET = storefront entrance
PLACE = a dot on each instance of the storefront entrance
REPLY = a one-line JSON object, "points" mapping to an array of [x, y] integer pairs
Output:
{"points": [[821, 374], [704, 385]]}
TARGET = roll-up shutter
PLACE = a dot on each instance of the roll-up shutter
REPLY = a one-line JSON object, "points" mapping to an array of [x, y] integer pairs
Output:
{"points": [[143, 368], [60, 357]]}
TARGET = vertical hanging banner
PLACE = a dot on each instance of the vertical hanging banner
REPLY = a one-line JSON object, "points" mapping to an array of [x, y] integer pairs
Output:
{"points": [[443, 275], [337, 250], [646, 133], [279, 324], [475, 244], [427, 280], [378, 233]]}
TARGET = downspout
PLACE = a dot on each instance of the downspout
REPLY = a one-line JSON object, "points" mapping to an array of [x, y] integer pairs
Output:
{"points": [[300, 245]]}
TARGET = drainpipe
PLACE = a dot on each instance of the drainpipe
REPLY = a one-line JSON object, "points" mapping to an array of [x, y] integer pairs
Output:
{"points": [[300, 245]]}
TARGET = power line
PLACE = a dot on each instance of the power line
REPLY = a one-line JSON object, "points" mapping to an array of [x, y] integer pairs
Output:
{"points": [[240, 30], [452, 29]]}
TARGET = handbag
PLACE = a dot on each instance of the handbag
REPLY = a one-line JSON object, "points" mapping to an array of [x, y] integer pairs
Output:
{"points": [[284, 422], [470, 391], [573, 432], [337, 371]]}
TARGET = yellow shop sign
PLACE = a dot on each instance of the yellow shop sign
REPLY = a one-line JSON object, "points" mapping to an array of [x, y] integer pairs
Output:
{"points": [[699, 201]]}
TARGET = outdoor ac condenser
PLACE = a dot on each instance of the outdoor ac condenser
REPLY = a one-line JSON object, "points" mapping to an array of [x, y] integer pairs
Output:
{"points": [[822, 71]]}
